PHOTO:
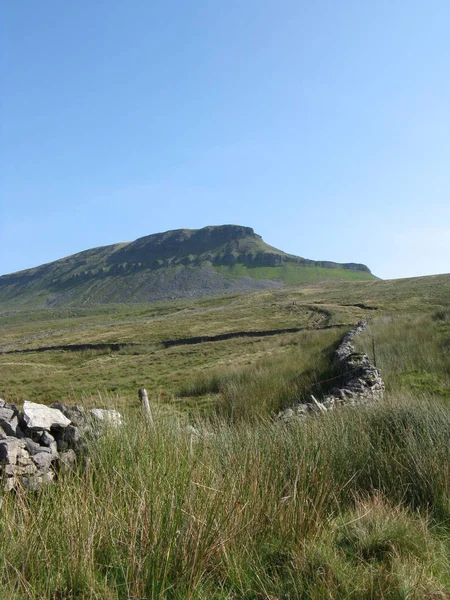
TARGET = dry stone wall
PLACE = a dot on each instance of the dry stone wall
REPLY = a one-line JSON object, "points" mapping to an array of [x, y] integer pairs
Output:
{"points": [[361, 382], [37, 443]]}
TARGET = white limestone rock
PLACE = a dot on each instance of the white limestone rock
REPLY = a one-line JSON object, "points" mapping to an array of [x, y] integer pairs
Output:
{"points": [[106, 417], [41, 417]]}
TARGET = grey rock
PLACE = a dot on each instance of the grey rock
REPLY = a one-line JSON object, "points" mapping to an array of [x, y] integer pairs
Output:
{"points": [[47, 439], [287, 414], [10, 406], [9, 484], [35, 448], [24, 459], [34, 435], [42, 460], [67, 460], [9, 419], [71, 437], [10, 449], [355, 387], [18, 470], [29, 441], [6, 414], [76, 414], [34, 483], [106, 417], [15, 460], [39, 416], [192, 430], [328, 403], [11, 426]]}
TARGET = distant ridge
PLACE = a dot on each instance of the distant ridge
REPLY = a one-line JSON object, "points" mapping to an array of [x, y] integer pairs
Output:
{"points": [[181, 263]]}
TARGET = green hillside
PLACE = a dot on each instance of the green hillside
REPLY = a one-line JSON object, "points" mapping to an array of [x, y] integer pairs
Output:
{"points": [[322, 312], [176, 264]]}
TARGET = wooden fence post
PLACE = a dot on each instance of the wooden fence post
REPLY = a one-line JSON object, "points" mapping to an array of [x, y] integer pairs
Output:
{"points": [[143, 397]]}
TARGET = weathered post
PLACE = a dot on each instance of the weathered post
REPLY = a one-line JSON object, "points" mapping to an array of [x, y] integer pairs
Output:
{"points": [[374, 353], [143, 397]]}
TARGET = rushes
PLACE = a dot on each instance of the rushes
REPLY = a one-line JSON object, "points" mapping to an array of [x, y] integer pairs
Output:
{"points": [[412, 351], [354, 503], [300, 364]]}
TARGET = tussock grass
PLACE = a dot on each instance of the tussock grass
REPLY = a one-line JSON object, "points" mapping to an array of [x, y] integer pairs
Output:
{"points": [[412, 351], [354, 505], [376, 550], [302, 363]]}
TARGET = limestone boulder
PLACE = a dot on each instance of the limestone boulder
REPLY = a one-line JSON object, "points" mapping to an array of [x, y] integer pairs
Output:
{"points": [[41, 417], [11, 449], [76, 414], [106, 417], [9, 419], [42, 460], [35, 448]]}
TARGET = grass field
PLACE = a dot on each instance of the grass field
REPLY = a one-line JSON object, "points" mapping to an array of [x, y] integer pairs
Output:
{"points": [[168, 373], [352, 505]]}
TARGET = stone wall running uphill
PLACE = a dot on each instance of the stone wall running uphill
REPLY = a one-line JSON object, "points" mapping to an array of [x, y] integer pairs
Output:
{"points": [[361, 382]]}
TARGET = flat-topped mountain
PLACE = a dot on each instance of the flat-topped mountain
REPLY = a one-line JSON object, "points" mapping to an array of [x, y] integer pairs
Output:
{"points": [[174, 264]]}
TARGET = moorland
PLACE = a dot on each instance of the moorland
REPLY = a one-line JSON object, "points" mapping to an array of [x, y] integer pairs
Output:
{"points": [[355, 504]]}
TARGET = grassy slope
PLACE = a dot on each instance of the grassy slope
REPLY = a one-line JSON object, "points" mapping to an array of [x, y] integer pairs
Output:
{"points": [[355, 505], [165, 283], [291, 274], [160, 370], [167, 372]]}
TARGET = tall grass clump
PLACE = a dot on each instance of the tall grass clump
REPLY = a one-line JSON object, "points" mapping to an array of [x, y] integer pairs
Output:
{"points": [[271, 383], [412, 351], [355, 504]]}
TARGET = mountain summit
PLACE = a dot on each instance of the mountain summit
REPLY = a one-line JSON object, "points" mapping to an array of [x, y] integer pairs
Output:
{"points": [[175, 264]]}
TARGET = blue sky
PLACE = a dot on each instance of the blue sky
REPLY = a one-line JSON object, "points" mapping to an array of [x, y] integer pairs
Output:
{"points": [[323, 125]]}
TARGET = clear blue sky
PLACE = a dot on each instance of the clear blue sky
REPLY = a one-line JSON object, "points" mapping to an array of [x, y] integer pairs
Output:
{"points": [[324, 125]]}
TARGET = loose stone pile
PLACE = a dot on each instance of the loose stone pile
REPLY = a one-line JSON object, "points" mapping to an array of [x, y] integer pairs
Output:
{"points": [[40, 441], [361, 382]]}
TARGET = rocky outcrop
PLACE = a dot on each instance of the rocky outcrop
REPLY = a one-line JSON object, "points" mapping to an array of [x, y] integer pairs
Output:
{"points": [[39, 442], [361, 382]]}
